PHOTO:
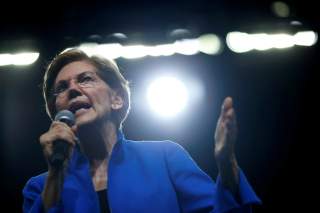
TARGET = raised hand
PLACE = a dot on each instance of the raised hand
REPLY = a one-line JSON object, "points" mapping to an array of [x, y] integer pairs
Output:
{"points": [[224, 150]]}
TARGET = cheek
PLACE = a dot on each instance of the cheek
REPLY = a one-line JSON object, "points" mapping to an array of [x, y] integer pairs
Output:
{"points": [[103, 99], [60, 104]]}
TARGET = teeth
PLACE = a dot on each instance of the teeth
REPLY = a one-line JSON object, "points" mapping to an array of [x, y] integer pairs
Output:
{"points": [[81, 109], [78, 106]]}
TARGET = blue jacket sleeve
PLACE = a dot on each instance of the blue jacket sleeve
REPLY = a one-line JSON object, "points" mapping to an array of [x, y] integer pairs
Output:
{"points": [[32, 201], [197, 192]]}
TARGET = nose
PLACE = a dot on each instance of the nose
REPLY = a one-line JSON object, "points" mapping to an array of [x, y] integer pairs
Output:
{"points": [[74, 90]]}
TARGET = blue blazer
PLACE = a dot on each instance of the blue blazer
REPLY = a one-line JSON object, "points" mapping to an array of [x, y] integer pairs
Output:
{"points": [[146, 176]]}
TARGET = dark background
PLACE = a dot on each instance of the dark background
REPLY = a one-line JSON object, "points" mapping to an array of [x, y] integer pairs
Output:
{"points": [[275, 92]]}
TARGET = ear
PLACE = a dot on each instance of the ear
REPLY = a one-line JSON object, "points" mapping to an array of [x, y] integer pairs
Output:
{"points": [[117, 101]]}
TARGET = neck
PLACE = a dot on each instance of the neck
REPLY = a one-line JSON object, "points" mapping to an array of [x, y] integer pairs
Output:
{"points": [[97, 140]]}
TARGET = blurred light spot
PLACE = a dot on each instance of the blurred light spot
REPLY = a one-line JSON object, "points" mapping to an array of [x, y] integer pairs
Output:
{"points": [[180, 34], [239, 42], [260, 41], [186, 46], [305, 38], [296, 23], [18, 59], [281, 41], [5, 59], [280, 9], [167, 96], [243, 42], [112, 50], [95, 37], [135, 51], [162, 50], [89, 48], [120, 36], [209, 44]]}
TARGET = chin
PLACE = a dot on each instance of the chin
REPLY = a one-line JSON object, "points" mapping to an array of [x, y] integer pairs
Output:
{"points": [[83, 120]]}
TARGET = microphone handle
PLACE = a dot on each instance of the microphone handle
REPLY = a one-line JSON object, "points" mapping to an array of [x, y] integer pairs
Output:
{"points": [[60, 153]]}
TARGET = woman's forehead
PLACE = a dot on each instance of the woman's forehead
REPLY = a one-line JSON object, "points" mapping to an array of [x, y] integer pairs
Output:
{"points": [[73, 69]]}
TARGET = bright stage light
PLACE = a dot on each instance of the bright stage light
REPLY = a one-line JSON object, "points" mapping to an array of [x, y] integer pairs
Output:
{"points": [[243, 42], [167, 96], [208, 44], [239, 42], [306, 38], [18, 59]]}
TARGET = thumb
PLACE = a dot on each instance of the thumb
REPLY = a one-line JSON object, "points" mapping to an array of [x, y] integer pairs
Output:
{"points": [[74, 129], [227, 104]]}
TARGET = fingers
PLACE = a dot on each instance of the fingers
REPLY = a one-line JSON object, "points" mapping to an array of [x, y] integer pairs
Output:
{"points": [[74, 129], [227, 111], [228, 116], [226, 130], [58, 131], [227, 104]]}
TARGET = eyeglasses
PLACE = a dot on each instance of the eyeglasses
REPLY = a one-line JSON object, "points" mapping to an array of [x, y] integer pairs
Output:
{"points": [[84, 80]]}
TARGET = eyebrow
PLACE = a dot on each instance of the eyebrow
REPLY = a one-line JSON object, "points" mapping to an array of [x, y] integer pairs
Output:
{"points": [[77, 76]]}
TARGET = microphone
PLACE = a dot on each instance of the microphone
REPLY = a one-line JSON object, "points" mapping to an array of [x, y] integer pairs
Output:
{"points": [[61, 147]]}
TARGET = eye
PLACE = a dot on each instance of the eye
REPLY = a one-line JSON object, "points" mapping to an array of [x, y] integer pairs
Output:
{"points": [[86, 78], [63, 86]]}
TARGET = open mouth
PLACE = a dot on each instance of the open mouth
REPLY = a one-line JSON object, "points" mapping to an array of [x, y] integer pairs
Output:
{"points": [[79, 106]]}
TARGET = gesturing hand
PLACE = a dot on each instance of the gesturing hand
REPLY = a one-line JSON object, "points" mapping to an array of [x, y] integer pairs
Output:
{"points": [[224, 151], [226, 132]]}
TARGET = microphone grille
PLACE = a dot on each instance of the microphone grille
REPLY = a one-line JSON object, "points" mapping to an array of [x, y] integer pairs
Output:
{"points": [[65, 116]]}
